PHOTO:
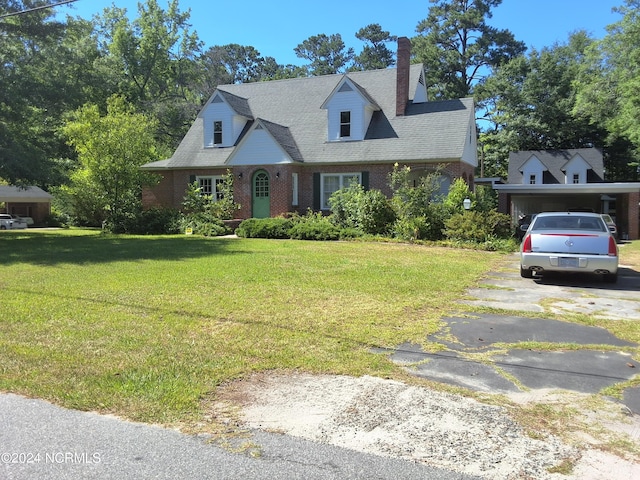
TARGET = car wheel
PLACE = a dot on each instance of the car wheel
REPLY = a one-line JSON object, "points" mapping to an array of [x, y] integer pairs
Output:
{"points": [[526, 273], [610, 277], [2, 227]]}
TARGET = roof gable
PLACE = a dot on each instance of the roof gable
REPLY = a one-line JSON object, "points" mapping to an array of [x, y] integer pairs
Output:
{"points": [[533, 164], [346, 85], [265, 143], [576, 163]]}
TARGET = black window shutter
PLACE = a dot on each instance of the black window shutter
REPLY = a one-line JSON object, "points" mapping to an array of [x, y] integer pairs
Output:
{"points": [[365, 180], [316, 191], [192, 178]]}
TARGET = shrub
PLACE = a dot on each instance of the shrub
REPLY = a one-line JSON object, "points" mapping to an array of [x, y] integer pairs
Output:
{"points": [[157, 221], [479, 227], [368, 211], [411, 229], [265, 228], [203, 224], [314, 226]]}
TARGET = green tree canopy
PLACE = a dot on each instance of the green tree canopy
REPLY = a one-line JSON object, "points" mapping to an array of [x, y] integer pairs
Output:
{"points": [[152, 61], [376, 55], [111, 148], [327, 54], [529, 104], [609, 85], [44, 65], [458, 47]]}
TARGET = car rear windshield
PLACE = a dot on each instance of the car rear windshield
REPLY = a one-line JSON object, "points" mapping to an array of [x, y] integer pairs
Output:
{"points": [[569, 222]]}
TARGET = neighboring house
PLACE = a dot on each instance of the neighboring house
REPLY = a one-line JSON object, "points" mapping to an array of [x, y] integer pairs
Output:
{"points": [[291, 143], [27, 202], [555, 180]]}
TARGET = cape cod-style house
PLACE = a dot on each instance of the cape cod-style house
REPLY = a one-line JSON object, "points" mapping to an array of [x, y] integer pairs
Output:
{"points": [[291, 143], [556, 180]]}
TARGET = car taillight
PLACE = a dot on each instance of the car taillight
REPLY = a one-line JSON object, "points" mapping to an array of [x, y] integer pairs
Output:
{"points": [[526, 245], [613, 248]]}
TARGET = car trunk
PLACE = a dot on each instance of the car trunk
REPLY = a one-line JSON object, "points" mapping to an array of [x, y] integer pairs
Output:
{"points": [[578, 243]]}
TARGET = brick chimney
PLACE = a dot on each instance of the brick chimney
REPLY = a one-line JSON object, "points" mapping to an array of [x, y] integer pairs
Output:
{"points": [[402, 75]]}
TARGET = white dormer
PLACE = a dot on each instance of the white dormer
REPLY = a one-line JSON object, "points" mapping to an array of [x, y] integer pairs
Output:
{"points": [[532, 171], [575, 170], [349, 111], [222, 125]]}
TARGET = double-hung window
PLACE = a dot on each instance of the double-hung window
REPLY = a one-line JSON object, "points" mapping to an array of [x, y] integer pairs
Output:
{"points": [[345, 124], [211, 186], [217, 132], [331, 183]]}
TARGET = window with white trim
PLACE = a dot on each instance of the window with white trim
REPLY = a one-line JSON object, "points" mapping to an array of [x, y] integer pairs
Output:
{"points": [[211, 186], [330, 183], [576, 178], [217, 132], [345, 124]]}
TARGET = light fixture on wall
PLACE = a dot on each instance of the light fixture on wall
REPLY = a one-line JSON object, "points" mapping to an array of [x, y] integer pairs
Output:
{"points": [[240, 175], [277, 174]]}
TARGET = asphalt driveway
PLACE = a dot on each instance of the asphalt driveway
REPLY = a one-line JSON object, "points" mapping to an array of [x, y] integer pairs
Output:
{"points": [[495, 352]]}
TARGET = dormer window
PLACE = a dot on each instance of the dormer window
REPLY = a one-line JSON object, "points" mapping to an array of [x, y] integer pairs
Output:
{"points": [[345, 124], [532, 179], [217, 132], [350, 109], [576, 178]]}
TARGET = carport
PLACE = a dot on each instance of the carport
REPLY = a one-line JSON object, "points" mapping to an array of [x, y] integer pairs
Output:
{"points": [[620, 200], [26, 201]]}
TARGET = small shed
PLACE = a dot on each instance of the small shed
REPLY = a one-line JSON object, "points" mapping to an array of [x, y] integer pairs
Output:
{"points": [[26, 201]]}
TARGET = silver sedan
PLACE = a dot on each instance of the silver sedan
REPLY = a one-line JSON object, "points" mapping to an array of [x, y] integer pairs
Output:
{"points": [[569, 242]]}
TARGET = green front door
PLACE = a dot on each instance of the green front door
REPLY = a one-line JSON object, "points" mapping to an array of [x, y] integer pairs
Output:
{"points": [[260, 203]]}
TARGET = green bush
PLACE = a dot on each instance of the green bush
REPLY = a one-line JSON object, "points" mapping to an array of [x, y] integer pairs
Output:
{"points": [[314, 226], [157, 221], [265, 228], [369, 211], [203, 224], [411, 229], [478, 227], [350, 233]]}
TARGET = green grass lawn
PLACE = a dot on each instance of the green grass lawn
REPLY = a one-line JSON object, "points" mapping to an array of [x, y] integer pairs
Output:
{"points": [[146, 327]]}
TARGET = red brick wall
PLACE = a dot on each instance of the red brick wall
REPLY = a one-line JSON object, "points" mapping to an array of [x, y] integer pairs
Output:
{"points": [[170, 191], [160, 195]]}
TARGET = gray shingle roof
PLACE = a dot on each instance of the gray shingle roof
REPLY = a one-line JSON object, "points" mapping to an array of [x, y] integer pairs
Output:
{"points": [[9, 193], [431, 131], [555, 161]]}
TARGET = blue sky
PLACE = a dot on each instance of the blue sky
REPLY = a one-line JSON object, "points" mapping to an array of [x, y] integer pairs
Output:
{"points": [[275, 28]]}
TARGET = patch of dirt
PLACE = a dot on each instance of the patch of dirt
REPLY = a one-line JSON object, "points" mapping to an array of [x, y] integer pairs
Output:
{"points": [[390, 418]]}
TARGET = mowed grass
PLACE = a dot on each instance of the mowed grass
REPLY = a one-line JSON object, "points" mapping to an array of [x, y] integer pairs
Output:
{"points": [[146, 327]]}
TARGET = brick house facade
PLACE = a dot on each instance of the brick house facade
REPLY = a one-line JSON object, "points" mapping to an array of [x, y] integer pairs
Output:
{"points": [[290, 143]]}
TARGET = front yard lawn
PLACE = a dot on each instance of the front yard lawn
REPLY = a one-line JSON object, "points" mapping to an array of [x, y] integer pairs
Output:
{"points": [[145, 327]]}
